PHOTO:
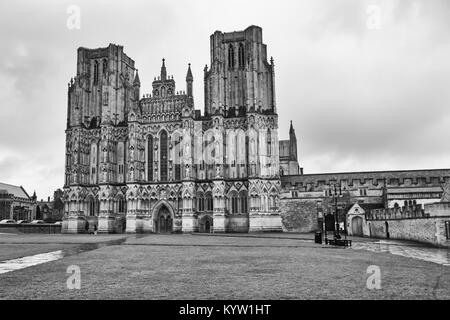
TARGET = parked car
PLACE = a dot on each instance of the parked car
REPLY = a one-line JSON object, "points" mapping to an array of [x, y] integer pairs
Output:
{"points": [[5, 221], [37, 221], [58, 222], [23, 221]]}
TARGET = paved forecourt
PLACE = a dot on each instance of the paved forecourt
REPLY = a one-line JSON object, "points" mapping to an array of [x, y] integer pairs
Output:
{"points": [[256, 266]]}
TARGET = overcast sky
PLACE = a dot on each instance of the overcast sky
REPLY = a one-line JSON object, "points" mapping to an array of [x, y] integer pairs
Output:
{"points": [[363, 93]]}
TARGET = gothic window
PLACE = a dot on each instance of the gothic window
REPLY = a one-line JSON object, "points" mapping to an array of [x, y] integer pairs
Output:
{"points": [[150, 158], [209, 202], [201, 203], [122, 205], [93, 206], [231, 57], [177, 172], [93, 159], [241, 56], [121, 161], [234, 204], [96, 72], [163, 92], [177, 155], [163, 156], [269, 143], [180, 201], [243, 200], [105, 67]]}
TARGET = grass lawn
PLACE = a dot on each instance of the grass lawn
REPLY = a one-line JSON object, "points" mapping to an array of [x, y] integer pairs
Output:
{"points": [[224, 267]]}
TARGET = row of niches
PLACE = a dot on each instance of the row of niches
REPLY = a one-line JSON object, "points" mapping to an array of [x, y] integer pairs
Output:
{"points": [[160, 106], [163, 93]]}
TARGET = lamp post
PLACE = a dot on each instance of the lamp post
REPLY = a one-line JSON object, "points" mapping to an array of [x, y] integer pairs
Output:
{"points": [[336, 194]]}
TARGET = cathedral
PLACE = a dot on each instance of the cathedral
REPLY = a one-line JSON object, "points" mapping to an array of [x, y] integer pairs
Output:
{"points": [[151, 162]]}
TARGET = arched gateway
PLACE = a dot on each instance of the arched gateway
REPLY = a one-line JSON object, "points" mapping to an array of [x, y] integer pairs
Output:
{"points": [[163, 218]]}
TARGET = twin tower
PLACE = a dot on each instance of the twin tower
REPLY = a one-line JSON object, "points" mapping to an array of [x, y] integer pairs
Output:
{"points": [[153, 163]]}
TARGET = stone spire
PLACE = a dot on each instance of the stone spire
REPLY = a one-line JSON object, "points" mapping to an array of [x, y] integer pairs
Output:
{"points": [[163, 70], [189, 76], [137, 81], [292, 144], [189, 81]]}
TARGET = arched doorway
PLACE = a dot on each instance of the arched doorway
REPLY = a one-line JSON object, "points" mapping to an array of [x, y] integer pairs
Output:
{"points": [[205, 224], [163, 221], [357, 227]]}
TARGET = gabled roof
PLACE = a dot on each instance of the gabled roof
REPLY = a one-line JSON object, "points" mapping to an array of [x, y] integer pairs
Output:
{"points": [[366, 206], [17, 191]]}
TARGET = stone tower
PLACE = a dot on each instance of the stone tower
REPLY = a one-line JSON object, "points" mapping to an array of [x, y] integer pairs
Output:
{"points": [[239, 75], [155, 164]]}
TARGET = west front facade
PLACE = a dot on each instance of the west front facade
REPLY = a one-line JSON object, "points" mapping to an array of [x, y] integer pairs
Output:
{"points": [[153, 163]]}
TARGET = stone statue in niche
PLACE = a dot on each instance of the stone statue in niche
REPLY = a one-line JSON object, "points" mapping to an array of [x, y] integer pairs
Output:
{"points": [[217, 170]]}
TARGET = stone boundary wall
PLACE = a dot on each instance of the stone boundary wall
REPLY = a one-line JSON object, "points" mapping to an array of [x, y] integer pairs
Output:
{"points": [[30, 228], [426, 230], [299, 215], [408, 225]]}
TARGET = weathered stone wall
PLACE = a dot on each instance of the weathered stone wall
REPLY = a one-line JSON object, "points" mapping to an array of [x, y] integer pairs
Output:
{"points": [[299, 215], [422, 229], [428, 229]]}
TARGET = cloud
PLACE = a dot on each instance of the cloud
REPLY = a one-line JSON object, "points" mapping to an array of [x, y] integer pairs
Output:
{"points": [[360, 99]]}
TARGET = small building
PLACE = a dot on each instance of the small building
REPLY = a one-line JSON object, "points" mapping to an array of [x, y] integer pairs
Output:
{"points": [[356, 218], [16, 204], [51, 210]]}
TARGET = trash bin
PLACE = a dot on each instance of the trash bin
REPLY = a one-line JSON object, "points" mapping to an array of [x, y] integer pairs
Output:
{"points": [[318, 237]]}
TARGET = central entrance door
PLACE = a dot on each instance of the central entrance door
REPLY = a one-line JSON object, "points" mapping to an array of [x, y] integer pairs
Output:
{"points": [[163, 221]]}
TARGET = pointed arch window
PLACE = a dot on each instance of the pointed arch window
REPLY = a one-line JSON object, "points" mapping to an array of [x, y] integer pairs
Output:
{"points": [[209, 202], [150, 158], [163, 156], [269, 143], [234, 203], [105, 67], [122, 205], [96, 66], [231, 56], [241, 56], [201, 203], [244, 200], [93, 206]]}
